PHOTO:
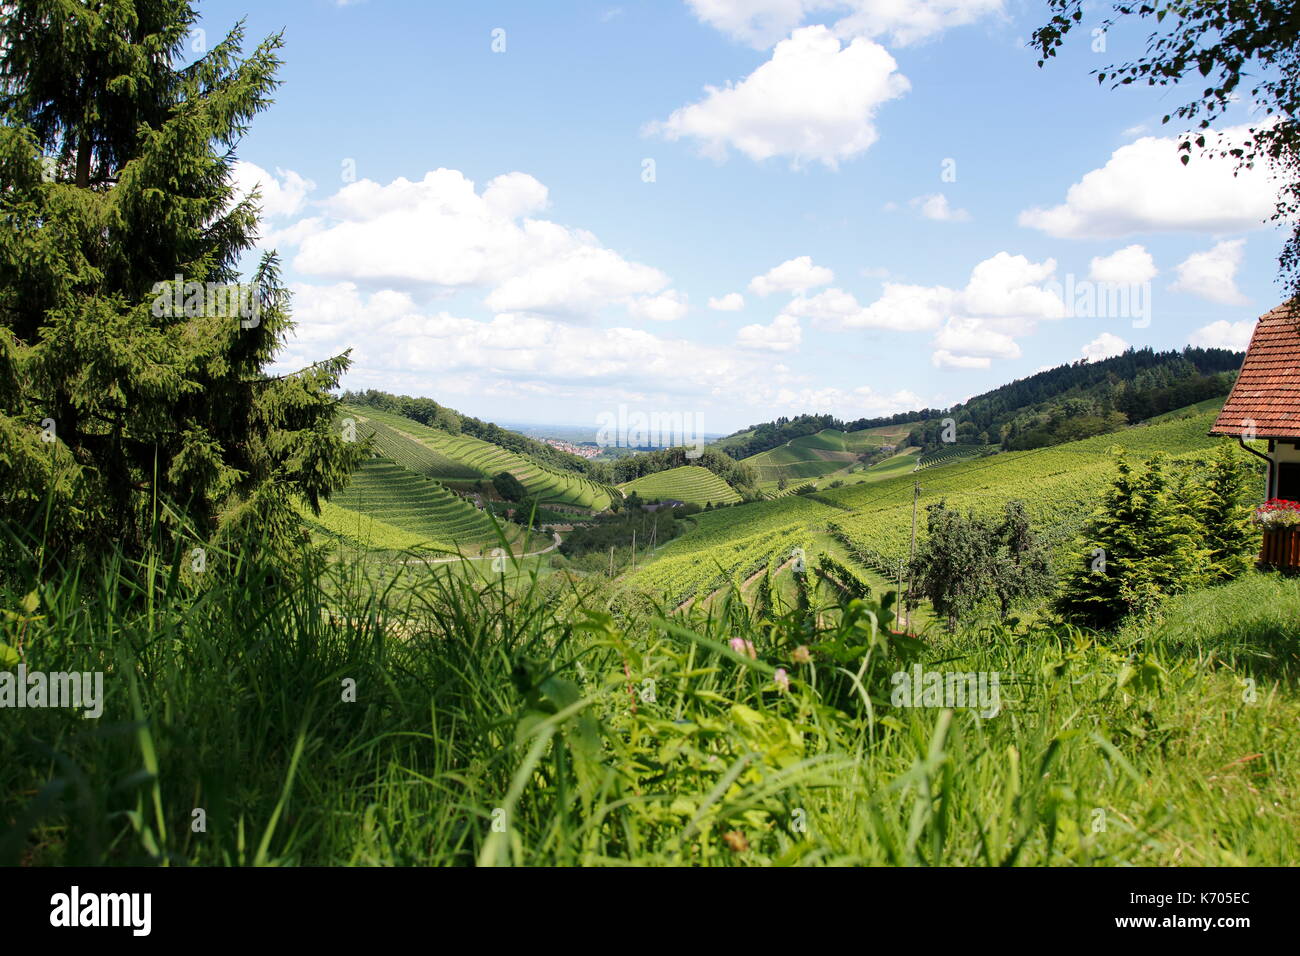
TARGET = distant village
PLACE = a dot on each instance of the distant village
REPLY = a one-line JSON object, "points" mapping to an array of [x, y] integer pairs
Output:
{"points": [[582, 450]]}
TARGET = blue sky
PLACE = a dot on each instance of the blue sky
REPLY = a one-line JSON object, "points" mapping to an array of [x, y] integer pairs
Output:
{"points": [[737, 210]]}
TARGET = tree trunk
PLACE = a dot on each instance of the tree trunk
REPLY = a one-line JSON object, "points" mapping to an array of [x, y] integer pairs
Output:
{"points": [[83, 161]]}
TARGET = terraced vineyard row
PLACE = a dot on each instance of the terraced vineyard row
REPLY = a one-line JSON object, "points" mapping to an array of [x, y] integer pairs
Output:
{"points": [[690, 483], [446, 457], [384, 498], [813, 456], [951, 453], [1060, 487], [682, 577], [417, 456], [717, 528], [799, 489], [360, 529]]}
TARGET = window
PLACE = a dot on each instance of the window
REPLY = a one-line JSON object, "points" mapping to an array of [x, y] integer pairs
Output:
{"points": [[1288, 481]]}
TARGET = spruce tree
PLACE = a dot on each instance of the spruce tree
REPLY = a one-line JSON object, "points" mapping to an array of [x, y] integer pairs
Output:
{"points": [[132, 358], [1224, 513], [1139, 546]]}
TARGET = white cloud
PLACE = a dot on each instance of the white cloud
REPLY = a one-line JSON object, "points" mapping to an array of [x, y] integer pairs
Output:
{"points": [[910, 21], [512, 195], [793, 275], [1104, 346], [394, 340], [575, 280], [1145, 188], [666, 307], [731, 302], [440, 232], [901, 307], [1131, 265], [972, 338], [944, 359], [400, 345], [762, 22], [1212, 274], [1224, 335], [782, 335], [1006, 289], [860, 402], [1005, 297], [812, 101], [935, 206], [283, 194]]}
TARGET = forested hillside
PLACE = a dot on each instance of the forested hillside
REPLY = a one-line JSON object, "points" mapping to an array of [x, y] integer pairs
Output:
{"points": [[763, 437], [1065, 403], [1087, 398]]}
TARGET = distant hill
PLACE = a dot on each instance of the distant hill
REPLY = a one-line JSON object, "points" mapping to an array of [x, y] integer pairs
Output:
{"points": [[689, 483], [822, 453], [388, 507], [756, 439], [464, 461], [869, 520], [1066, 403], [1072, 402], [429, 413]]}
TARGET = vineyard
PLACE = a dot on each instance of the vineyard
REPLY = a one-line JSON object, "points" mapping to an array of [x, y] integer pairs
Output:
{"points": [[814, 456], [361, 530], [679, 578], [904, 463], [1060, 486], [417, 456], [388, 507], [459, 458], [689, 483], [944, 456]]}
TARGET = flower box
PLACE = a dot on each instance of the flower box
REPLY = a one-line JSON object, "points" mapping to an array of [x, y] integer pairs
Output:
{"points": [[1280, 521], [1281, 548]]}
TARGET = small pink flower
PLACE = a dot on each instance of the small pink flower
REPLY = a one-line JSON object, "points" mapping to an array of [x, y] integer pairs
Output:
{"points": [[782, 680], [742, 646]]}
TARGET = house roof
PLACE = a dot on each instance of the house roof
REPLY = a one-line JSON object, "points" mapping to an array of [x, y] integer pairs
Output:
{"points": [[1265, 400]]}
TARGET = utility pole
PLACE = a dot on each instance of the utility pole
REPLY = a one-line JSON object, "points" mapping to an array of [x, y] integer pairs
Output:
{"points": [[634, 549], [911, 555], [611, 560]]}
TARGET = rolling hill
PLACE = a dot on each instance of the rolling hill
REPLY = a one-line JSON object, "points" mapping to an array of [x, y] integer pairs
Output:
{"points": [[689, 483], [821, 454], [463, 460], [1060, 486], [388, 507]]}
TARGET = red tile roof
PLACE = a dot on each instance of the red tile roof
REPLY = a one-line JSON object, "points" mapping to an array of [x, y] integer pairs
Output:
{"points": [[1266, 395]]}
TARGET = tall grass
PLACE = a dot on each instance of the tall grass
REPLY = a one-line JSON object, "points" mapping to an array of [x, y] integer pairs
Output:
{"points": [[525, 724]]}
